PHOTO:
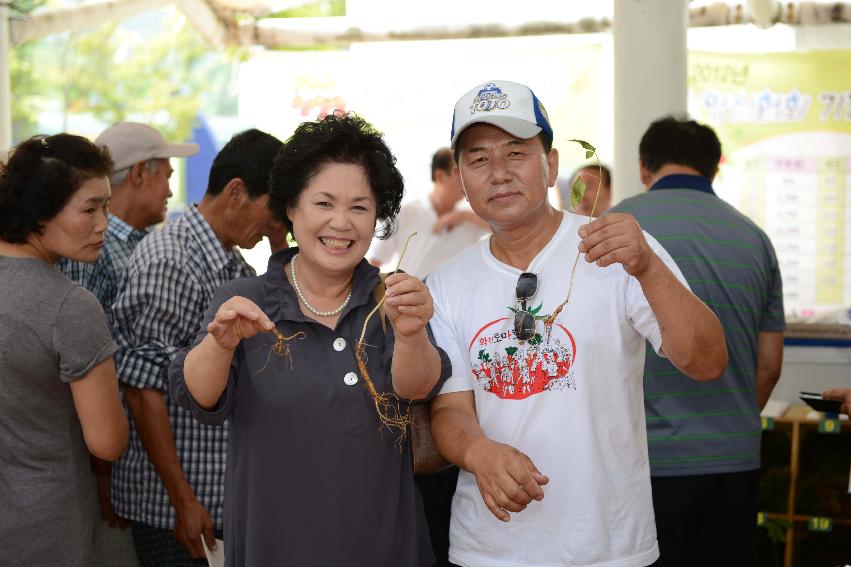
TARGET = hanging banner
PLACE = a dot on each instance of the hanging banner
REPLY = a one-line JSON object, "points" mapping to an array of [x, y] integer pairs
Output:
{"points": [[784, 120]]}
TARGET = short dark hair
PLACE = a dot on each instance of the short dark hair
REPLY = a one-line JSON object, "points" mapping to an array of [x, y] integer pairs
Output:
{"points": [[546, 141], [604, 171], [41, 176], [441, 161], [248, 156], [680, 141], [337, 139]]}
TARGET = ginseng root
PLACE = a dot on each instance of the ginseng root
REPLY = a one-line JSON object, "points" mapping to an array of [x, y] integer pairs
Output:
{"points": [[387, 404], [282, 348]]}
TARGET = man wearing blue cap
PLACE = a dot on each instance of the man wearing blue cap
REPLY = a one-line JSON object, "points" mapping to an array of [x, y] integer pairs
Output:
{"points": [[545, 400]]}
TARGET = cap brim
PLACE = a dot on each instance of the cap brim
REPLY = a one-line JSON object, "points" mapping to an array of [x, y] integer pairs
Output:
{"points": [[515, 126], [178, 150]]}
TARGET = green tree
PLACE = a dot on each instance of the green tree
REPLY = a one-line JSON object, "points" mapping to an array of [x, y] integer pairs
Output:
{"points": [[155, 68], [25, 79]]}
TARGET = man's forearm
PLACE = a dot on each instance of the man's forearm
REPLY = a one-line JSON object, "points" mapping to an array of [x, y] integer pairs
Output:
{"points": [[507, 478], [769, 362], [765, 383], [692, 337], [103, 470], [151, 416], [456, 434]]}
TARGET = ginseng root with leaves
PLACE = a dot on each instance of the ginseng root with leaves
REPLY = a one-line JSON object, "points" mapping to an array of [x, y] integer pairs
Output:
{"points": [[577, 191]]}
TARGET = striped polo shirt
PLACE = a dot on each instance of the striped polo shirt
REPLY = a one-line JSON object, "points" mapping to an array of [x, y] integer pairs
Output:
{"points": [[709, 427]]}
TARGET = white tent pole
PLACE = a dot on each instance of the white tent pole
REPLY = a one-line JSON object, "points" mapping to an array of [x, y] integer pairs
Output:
{"points": [[650, 78], [5, 81]]}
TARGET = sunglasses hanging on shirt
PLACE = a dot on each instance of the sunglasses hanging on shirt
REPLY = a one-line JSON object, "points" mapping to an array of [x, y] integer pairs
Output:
{"points": [[524, 320]]}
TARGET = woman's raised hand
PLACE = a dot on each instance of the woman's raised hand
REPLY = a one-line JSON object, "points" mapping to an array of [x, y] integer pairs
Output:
{"points": [[238, 318], [408, 304]]}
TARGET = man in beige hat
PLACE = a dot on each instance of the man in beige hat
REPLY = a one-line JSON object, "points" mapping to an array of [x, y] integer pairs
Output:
{"points": [[140, 191]]}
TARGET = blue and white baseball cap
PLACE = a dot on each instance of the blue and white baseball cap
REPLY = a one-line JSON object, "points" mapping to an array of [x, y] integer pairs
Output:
{"points": [[510, 106]]}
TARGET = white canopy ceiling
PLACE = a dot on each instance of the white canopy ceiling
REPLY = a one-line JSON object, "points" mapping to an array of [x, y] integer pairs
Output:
{"points": [[245, 22]]}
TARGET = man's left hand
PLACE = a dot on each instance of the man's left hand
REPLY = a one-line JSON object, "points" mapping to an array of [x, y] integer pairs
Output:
{"points": [[408, 304], [616, 238]]}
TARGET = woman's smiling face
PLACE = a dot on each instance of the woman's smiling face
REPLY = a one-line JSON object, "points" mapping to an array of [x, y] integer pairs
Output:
{"points": [[334, 218]]}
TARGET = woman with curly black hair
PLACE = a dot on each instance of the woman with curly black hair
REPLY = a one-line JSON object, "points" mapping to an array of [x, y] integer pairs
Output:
{"points": [[314, 478], [58, 392]]}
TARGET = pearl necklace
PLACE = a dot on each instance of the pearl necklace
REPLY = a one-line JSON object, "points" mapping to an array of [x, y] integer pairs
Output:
{"points": [[311, 308]]}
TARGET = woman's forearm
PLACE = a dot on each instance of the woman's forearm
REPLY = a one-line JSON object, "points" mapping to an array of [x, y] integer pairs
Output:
{"points": [[415, 367], [205, 370]]}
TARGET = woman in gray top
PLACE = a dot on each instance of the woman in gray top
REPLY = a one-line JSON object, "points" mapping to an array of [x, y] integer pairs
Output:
{"points": [[58, 392], [313, 477]]}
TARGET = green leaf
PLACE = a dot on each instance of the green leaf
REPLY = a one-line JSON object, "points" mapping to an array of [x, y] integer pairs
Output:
{"points": [[536, 309], [510, 350], [589, 154], [513, 310], [577, 191], [585, 145]]}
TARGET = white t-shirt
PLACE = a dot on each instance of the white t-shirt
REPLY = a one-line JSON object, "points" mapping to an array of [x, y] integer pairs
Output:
{"points": [[426, 249], [573, 403]]}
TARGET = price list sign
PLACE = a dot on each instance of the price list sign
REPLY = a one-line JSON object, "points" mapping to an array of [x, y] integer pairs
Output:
{"points": [[785, 126]]}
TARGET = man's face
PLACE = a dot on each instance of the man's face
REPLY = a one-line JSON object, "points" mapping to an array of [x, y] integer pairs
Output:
{"points": [[252, 220], [505, 178], [155, 191]]}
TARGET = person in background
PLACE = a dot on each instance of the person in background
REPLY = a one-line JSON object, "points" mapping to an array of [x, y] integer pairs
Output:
{"points": [[704, 438], [59, 398], [140, 191], [170, 483], [544, 411], [843, 394], [278, 238], [444, 227], [306, 419], [598, 179]]}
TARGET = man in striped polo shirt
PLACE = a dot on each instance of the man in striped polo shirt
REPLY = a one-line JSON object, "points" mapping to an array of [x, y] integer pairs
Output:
{"points": [[704, 437]]}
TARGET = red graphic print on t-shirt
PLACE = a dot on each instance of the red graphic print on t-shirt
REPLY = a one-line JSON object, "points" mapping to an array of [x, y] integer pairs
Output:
{"points": [[511, 369]]}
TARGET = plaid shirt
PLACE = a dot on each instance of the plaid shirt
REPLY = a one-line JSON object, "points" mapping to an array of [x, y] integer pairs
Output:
{"points": [[102, 277], [166, 288]]}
